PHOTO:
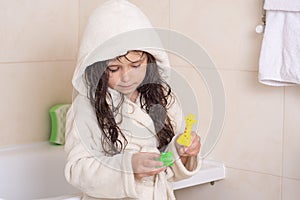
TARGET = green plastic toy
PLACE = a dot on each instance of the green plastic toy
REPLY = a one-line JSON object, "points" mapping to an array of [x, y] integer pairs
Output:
{"points": [[167, 158], [58, 121]]}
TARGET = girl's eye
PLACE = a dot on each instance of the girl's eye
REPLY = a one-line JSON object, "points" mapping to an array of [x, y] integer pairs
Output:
{"points": [[113, 68], [136, 66]]}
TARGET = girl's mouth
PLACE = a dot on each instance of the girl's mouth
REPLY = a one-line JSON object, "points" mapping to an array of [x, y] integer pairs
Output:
{"points": [[126, 86]]}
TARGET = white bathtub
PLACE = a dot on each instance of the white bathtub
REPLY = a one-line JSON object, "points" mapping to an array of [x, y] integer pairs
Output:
{"points": [[36, 171]]}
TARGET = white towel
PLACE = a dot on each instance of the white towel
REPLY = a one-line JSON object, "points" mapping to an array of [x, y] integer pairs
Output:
{"points": [[279, 63], [284, 5]]}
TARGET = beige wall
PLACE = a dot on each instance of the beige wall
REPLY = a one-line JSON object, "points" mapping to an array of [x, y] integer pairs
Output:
{"points": [[259, 143]]}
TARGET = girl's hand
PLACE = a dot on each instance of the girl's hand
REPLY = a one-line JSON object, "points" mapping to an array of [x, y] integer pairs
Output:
{"points": [[193, 149], [146, 164]]}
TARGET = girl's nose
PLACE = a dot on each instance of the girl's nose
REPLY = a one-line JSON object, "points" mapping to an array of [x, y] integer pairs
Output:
{"points": [[126, 75]]}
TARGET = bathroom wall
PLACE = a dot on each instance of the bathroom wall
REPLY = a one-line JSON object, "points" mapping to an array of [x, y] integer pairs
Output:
{"points": [[39, 41], [259, 142]]}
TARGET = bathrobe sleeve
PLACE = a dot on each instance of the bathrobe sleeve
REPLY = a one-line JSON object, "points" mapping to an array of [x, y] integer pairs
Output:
{"points": [[87, 168], [180, 171]]}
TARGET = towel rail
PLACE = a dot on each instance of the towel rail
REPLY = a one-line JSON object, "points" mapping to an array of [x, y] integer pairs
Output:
{"points": [[261, 27]]}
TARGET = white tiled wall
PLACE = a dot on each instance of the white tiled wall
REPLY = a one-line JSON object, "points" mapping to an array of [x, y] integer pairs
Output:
{"points": [[252, 135], [28, 90], [259, 142], [239, 184], [291, 147], [290, 189], [39, 42], [37, 31], [223, 28]]}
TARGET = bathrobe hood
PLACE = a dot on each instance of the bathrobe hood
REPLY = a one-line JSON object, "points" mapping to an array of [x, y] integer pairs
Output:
{"points": [[113, 29]]}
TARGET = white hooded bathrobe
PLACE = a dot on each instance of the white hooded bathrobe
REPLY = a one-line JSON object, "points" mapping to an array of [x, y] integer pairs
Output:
{"points": [[113, 29]]}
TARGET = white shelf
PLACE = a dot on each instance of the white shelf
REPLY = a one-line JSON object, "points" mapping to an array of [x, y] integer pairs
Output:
{"points": [[210, 171]]}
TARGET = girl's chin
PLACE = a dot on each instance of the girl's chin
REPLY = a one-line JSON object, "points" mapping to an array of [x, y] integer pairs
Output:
{"points": [[130, 94]]}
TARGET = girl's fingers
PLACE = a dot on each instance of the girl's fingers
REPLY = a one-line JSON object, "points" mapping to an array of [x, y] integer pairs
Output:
{"points": [[152, 164], [194, 137], [194, 148], [146, 171], [146, 164]]}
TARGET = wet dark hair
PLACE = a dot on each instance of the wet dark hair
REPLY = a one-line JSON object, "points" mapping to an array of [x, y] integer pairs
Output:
{"points": [[155, 98]]}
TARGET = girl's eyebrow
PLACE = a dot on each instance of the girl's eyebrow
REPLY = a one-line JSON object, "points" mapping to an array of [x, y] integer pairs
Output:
{"points": [[113, 65]]}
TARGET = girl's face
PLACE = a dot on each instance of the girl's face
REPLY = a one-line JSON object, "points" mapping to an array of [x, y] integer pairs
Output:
{"points": [[127, 72]]}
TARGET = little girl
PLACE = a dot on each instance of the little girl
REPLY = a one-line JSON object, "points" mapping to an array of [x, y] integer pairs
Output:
{"points": [[124, 114]]}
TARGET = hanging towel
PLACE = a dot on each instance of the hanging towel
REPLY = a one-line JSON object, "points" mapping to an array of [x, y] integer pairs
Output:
{"points": [[279, 63]]}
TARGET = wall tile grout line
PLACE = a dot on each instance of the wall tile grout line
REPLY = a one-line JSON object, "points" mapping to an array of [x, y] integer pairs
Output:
{"points": [[78, 25], [254, 171], [36, 61], [282, 144]]}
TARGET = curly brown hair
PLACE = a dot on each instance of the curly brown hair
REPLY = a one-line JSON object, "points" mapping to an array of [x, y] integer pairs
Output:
{"points": [[155, 98]]}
